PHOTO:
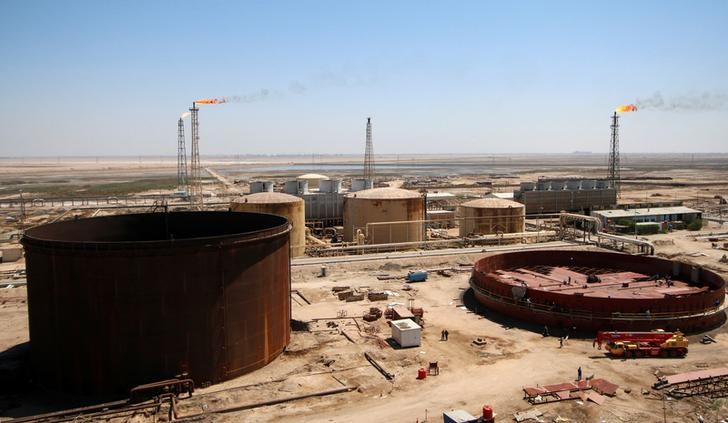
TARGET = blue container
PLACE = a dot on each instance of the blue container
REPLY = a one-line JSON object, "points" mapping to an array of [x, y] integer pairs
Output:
{"points": [[419, 276]]}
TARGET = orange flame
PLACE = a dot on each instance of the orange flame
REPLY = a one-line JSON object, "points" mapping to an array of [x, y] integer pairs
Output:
{"points": [[211, 101], [626, 108]]}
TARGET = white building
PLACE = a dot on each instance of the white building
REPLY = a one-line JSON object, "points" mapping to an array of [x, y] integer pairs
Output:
{"points": [[407, 333]]}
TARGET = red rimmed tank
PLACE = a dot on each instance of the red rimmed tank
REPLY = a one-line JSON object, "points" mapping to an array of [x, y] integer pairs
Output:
{"points": [[594, 290], [120, 301]]}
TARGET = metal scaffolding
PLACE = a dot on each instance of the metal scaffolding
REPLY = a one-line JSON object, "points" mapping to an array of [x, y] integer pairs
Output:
{"points": [[181, 157], [195, 181], [369, 154], [614, 176]]}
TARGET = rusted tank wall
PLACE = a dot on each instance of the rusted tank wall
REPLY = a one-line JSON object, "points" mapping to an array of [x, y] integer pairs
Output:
{"points": [[123, 300], [708, 302], [360, 211]]}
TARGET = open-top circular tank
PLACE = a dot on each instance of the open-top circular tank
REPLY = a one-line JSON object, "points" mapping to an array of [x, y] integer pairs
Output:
{"points": [[124, 300], [600, 290]]}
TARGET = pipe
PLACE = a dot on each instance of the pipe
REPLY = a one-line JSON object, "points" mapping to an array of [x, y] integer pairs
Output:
{"points": [[248, 406]]}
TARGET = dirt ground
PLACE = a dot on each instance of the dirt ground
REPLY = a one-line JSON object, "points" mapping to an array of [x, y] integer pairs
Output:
{"points": [[515, 356], [330, 354]]}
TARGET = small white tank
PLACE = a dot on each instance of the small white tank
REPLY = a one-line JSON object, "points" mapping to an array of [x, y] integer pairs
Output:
{"points": [[261, 186], [588, 184], [557, 185], [361, 184], [573, 184]]}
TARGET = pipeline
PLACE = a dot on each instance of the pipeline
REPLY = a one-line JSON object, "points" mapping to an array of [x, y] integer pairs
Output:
{"points": [[596, 229], [248, 406]]}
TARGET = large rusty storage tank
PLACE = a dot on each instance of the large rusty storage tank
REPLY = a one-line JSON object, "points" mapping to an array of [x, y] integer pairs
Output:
{"points": [[278, 203], [384, 205], [119, 301], [596, 290], [491, 215]]}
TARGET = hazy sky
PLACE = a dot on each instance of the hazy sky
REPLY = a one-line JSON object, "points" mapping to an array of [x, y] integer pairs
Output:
{"points": [[112, 77]]}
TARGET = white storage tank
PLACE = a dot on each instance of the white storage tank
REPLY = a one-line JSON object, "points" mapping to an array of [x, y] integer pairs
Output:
{"points": [[573, 184], [588, 184], [407, 333], [330, 186], [261, 186], [296, 187], [543, 185], [557, 185], [602, 184], [313, 179], [361, 184]]}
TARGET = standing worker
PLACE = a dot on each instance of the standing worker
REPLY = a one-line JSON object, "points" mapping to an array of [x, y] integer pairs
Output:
{"points": [[578, 373]]}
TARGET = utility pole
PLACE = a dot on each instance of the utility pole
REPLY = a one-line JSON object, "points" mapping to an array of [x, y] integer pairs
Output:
{"points": [[181, 157]]}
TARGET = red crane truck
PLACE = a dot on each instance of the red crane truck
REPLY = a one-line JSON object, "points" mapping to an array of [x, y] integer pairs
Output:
{"points": [[643, 344]]}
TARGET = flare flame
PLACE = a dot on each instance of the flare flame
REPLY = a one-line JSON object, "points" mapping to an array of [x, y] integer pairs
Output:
{"points": [[211, 100], [626, 108]]}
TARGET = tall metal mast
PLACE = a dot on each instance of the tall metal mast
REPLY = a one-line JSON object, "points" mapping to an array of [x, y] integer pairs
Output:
{"points": [[614, 177], [195, 182], [369, 154], [181, 157]]}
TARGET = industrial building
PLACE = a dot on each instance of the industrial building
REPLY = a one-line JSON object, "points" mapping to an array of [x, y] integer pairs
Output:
{"points": [[600, 291], [278, 203], [377, 212], [555, 195], [490, 216], [675, 215], [120, 301]]}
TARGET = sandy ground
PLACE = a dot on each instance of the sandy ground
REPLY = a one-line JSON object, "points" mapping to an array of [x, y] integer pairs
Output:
{"points": [[471, 376], [515, 355]]}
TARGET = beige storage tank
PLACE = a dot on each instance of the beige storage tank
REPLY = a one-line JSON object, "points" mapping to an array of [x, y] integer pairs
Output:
{"points": [[491, 215], [313, 179], [384, 205], [278, 203]]}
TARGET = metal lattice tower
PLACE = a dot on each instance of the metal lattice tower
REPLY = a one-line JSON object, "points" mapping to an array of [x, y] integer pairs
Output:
{"points": [[181, 157], [614, 177], [369, 154], [195, 182]]}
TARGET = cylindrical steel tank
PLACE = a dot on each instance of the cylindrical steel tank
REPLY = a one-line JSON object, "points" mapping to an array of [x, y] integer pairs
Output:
{"points": [[313, 179], [573, 184], [543, 185], [361, 184], [595, 290], [491, 215], [557, 185], [278, 203], [602, 184], [330, 186], [296, 187], [119, 301], [528, 186], [384, 205], [261, 186], [588, 184]]}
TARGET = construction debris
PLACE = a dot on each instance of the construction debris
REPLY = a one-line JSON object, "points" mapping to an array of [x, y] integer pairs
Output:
{"points": [[712, 383], [570, 390], [373, 314], [523, 416], [707, 339]]}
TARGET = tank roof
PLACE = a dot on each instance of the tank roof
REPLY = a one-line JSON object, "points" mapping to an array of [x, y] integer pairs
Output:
{"points": [[384, 194], [312, 176], [483, 203], [268, 197]]}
